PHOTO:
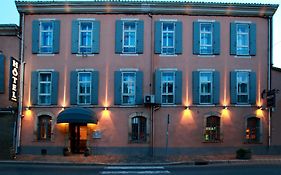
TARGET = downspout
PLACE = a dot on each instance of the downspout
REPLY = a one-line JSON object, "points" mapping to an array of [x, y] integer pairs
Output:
{"points": [[18, 136], [151, 82], [270, 25]]}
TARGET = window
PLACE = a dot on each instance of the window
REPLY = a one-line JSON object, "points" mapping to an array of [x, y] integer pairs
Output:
{"points": [[84, 87], [138, 129], [206, 38], [44, 127], [242, 41], [206, 79], [85, 37], [242, 87], [46, 37], [129, 37], [253, 130], [44, 92], [128, 88], [167, 87], [212, 129], [168, 38]]}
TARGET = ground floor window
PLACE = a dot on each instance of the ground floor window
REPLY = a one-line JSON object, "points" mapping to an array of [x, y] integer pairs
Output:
{"points": [[212, 129], [253, 130], [138, 133], [44, 127]]}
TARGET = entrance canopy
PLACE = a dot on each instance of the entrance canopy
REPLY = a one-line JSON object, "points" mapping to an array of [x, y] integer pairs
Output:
{"points": [[77, 115]]}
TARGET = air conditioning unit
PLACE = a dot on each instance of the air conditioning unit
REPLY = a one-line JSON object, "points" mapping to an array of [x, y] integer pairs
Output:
{"points": [[149, 99]]}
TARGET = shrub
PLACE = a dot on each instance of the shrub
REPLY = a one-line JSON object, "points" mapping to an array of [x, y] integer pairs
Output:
{"points": [[243, 153]]}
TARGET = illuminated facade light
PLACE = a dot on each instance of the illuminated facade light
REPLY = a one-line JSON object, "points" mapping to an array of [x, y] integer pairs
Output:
{"points": [[225, 107]]}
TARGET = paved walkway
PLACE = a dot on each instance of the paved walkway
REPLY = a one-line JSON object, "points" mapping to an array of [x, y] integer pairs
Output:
{"points": [[142, 160]]}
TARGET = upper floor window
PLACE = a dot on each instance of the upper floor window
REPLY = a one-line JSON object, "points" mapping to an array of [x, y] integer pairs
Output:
{"points": [[242, 39], [253, 130], [85, 38], [138, 133], [243, 87], [44, 127], [212, 129], [168, 37], [44, 87], [128, 87], [206, 38], [45, 36], [206, 81], [206, 87], [84, 87], [45, 82], [168, 87], [129, 36]]}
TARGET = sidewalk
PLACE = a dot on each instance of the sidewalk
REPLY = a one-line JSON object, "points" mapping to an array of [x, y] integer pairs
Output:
{"points": [[142, 160]]}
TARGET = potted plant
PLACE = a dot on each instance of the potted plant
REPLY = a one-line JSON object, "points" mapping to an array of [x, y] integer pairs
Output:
{"points": [[66, 151], [87, 152]]}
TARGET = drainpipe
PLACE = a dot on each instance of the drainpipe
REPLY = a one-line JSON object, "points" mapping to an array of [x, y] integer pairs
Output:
{"points": [[18, 136], [270, 25], [151, 82]]}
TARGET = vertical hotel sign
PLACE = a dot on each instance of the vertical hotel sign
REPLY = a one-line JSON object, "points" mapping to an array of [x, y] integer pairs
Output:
{"points": [[14, 77]]}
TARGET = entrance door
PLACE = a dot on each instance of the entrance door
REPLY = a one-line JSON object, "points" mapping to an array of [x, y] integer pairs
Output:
{"points": [[78, 137]]}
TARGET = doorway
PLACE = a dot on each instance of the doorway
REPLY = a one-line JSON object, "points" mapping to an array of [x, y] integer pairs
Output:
{"points": [[78, 137]]}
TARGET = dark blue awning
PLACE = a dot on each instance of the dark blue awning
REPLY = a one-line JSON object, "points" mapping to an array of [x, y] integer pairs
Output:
{"points": [[77, 115]]}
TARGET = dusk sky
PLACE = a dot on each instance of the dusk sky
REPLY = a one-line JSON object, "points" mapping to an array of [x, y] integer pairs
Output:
{"points": [[9, 15]]}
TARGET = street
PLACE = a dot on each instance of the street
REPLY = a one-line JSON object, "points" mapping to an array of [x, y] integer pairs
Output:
{"points": [[43, 169]]}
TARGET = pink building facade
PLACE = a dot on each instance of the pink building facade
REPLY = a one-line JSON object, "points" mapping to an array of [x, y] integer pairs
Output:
{"points": [[144, 78]]}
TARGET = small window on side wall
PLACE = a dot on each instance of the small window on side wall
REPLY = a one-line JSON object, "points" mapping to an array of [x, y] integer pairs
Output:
{"points": [[212, 129], [253, 130], [44, 128], [139, 126]]}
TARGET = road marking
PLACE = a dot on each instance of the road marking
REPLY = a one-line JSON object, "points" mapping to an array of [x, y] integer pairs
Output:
{"points": [[134, 167], [135, 172]]}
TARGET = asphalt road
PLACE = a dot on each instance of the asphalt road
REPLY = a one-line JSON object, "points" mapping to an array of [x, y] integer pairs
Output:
{"points": [[28, 169]]}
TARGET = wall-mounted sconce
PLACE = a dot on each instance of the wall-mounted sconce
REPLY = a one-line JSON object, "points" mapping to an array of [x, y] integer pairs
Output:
{"points": [[261, 107], [105, 108], [225, 107], [186, 107], [27, 108]]}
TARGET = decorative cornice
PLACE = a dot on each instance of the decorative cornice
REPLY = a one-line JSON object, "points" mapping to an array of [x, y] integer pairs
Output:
{"points": [[145, 7], [9, 30]]}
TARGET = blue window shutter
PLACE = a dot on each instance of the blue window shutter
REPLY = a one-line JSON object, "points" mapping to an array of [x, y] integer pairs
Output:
{"points": [[233, 38], [157, 37], [157, 87], [118, 36], [95, 88], [216, 40], [35, 36], [233, 87], [96, 37], [178, 87], [140, 35], [216, 87], [55, 85], [73, 87], [195, 87], [252, 88], [139, 88], [196, 38], [178, 38], [34, 87], [2, 72], [75, 37], [117, 87], [253, 39], [56, 41]]}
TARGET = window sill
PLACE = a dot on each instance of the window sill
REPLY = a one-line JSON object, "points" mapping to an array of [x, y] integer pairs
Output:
{"points": [[243, 56], [206, 56], [164, 55], [85, 55], [206, 105], [253, 142], [218, 141], [45, 55], [243, 105], [138, 142], [129, 54]]}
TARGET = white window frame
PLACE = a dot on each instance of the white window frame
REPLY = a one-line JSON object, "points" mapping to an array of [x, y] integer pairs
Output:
{"points": [[130, 30], [163, 82], [39, 88], [237, 38], [41, 31], [206, 32], [200, 84], [130, 83], [248, 88], [86, 31], [162, 38], [78, 88]]}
